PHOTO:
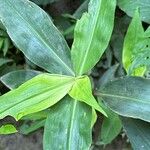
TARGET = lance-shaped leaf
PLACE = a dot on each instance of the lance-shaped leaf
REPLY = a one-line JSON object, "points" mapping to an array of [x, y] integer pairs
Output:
{"points": [[7, 129], [33, 32], [129, 96], [131, 45], [82, 91], [138, 133], [92, 34], [35, 95], [68, 126], [15, 78]]}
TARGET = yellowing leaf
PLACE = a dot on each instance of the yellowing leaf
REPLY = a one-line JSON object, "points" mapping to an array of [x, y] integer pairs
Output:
{"points": [[81, 91], [35, 95], [7, 129]]}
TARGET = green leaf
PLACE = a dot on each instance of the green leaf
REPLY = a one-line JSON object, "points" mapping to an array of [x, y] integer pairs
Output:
{"points": [[68, 126], [129, 6], [94, 117], [128, 96], [92, 35], [111, 126], [27, 129], [142, 59], [15, 78], [35, 95], [82, 91], [4, 61], [131, 47], [6, 45], [37, 116], [138, 133], [33, 32], [7, 129]]}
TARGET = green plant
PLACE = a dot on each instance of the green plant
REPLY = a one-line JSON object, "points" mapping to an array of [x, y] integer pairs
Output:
{"points": [[62, 100]]}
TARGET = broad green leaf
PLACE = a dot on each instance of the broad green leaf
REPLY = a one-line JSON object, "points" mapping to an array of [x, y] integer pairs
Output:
{"points": [[128, 96], [35, 95], [82, 91], [7, 129], [92, 35], [33, 32], [4, 61], [68, 126], [129, 6], [138, 133], [111, 126], [27, 129], [131, 47], [15, 78]]}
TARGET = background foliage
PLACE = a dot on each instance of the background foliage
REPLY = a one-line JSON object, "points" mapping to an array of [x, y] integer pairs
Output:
{"points": [[126, 101]]}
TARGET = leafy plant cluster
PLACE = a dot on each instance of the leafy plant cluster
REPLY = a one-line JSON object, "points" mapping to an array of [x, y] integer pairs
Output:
{"points": [[74, 85]]}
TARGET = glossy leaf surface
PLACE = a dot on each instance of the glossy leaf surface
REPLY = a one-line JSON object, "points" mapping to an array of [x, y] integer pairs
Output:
{"points": [[15, 78], [92, 34], [137, 132], [68, 126], [128, 97], [35, 95], [82, 91], [33, 32]]}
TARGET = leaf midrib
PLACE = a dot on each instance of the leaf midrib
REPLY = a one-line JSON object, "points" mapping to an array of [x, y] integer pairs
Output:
{"points": [[72, 123], [91, 40], [36, 33]]}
